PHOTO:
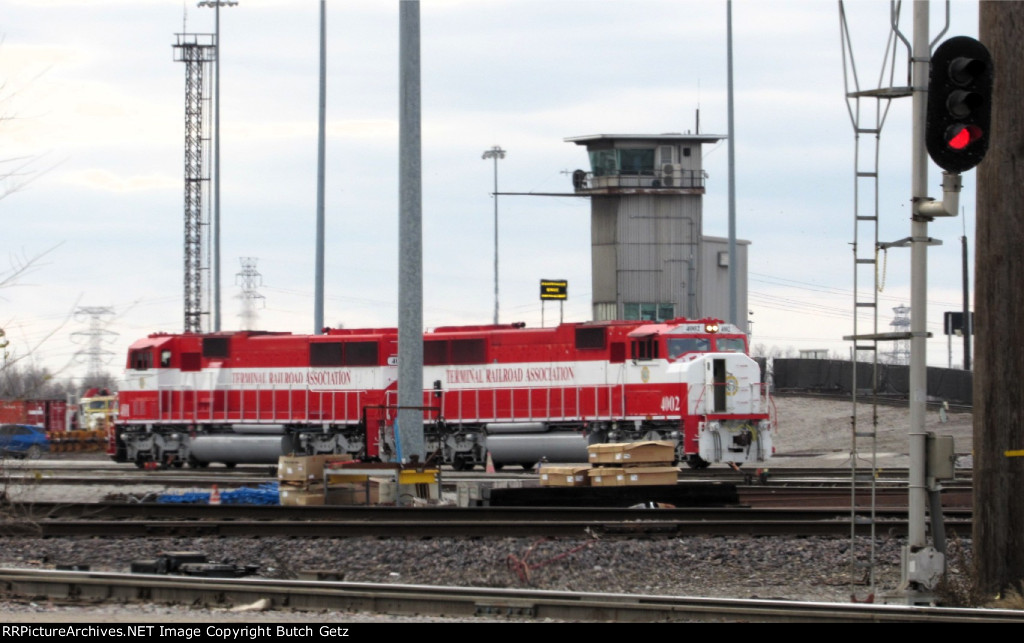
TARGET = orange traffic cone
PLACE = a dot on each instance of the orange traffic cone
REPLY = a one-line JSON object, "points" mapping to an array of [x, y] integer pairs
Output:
{"points": [[214, 496], [490, 463]]}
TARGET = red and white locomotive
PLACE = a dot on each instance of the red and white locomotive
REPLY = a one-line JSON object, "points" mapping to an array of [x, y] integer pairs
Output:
{"points": [[518, 394]]}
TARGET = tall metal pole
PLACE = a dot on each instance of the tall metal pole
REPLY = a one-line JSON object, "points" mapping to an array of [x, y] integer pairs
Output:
{"points": [[216, 174], [917, 554], [318, 298], [733, 313], [215, 232], [495, 153], [410, 238]]}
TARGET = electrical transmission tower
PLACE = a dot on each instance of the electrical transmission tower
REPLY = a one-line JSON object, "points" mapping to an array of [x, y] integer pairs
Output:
{"points": [[249, 279], [94, 355], [900, 353], [197, 51]]}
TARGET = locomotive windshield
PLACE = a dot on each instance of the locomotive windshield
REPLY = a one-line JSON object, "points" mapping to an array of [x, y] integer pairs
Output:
{"points": [[730, 345], [678, 346]]}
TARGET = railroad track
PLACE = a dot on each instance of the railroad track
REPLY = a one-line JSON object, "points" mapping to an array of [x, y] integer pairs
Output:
{"points": [[167, 520], [494, 604], [57, 472]]}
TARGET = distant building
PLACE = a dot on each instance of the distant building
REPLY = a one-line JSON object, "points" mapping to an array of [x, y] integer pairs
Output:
{"points": [[649, 256]]}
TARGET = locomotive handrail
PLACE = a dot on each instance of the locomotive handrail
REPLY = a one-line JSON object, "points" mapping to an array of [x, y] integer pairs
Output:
{"points": [[185, 404], [614, 394]]}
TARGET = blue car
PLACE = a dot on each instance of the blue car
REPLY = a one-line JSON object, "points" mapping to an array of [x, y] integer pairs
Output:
{"points": [[23, 441]]}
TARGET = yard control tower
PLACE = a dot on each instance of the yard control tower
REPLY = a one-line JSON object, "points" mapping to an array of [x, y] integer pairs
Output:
{"points": [[650, 258]]}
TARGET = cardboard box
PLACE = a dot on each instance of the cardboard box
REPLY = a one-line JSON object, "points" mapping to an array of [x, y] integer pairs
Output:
{"points": [[651, 475], [301, 496], [302, 468], [381, 492], [564, 475], [607, 476], [631, 453]]}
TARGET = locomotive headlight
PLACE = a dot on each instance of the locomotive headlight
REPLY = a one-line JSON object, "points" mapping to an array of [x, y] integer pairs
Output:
{"points": [[710, 328]]}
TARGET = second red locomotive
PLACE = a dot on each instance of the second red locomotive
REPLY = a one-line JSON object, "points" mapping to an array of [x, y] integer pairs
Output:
{"points": [[517, 394]]}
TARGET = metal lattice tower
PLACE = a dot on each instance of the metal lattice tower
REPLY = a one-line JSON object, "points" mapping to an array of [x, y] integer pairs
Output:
{"points": [[197, 51], [94, 355], [249, 279], [900, 353]]}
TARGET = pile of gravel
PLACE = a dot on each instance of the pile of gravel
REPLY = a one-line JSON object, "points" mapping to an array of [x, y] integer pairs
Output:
{"points": [[814, 569]]}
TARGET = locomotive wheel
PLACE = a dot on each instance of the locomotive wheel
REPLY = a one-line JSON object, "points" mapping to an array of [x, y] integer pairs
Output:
{"points": [[459, 463], [694, 461], [230, 465]]}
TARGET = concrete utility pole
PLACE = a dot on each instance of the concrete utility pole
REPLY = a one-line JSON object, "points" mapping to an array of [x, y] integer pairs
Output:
{"points": [[998, 536], [410, 238]]}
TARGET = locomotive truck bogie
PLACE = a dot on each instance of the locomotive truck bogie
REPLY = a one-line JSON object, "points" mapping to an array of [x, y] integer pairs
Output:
{"points": [[504, 394]]}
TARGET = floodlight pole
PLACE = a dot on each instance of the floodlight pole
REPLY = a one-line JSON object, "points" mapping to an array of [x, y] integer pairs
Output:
{"points": [[495, 153], [216, 156]]}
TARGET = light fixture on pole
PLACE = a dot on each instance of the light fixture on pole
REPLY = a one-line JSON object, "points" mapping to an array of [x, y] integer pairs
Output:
{"points": [[495, 153], [215, 273]]}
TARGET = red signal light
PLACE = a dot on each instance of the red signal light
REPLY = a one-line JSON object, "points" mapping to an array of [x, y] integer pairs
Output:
{"points": [[960, 136]]}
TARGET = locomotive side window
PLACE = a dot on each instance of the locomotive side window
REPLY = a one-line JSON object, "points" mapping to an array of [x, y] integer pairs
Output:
{"points": [[645, 348], [325, 354], [590, 338], [165, 358], [469, 351], [217, 347], [141, 360], [361, 354], [681, 345]]}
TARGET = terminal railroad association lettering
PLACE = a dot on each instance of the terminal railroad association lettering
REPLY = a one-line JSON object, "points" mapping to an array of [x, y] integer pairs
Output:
{"points": [[326, 377], [501, 375]]}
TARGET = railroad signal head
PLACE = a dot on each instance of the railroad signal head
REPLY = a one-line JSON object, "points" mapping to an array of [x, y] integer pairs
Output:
{"points": [[957, 129]]}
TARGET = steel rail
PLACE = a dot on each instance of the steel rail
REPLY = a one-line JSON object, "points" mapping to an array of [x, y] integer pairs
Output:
{"points": [[456, 528], [463, 602]]}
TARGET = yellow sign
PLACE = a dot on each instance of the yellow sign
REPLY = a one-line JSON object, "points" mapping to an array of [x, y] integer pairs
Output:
{"points": [[554, 289]]}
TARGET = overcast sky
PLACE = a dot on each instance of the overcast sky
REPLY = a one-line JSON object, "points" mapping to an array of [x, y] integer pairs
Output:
{"points": [[93, 108]]}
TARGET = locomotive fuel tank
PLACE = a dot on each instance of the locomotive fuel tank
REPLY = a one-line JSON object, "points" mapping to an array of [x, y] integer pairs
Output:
{"points": [[240, 448]]}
